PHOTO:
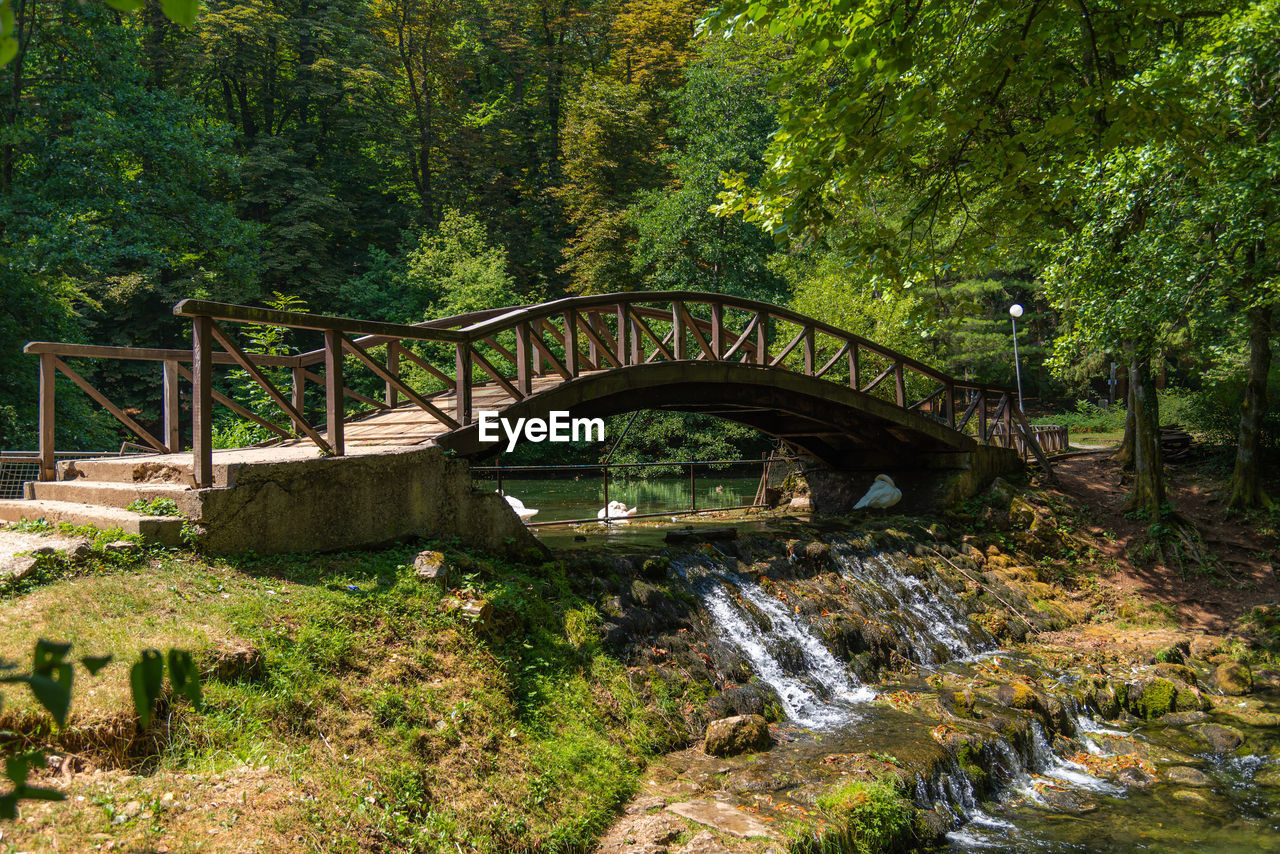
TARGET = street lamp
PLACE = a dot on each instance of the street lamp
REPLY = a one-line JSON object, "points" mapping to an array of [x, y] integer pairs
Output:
{"points": [[1015, 311]]}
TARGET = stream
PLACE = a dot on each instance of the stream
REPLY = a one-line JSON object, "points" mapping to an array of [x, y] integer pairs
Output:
{"points": [[858, 643]]}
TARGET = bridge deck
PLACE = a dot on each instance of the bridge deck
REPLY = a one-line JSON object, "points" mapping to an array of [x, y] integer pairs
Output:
{"points": [[409, 425]]}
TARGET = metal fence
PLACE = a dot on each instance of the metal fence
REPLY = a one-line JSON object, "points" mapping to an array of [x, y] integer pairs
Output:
{"points": [[773, 469], [18, 467]]}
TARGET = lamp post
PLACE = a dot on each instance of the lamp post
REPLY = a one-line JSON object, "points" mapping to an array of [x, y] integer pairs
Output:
{"points": [[1015, 311]]}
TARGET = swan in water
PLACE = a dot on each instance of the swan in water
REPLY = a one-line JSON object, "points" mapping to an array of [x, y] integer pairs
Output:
{"points": [[882, 495], [525, 513], [615, 513]]}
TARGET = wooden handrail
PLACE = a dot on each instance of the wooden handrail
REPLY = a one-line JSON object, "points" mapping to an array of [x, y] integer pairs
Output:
{"points": [[548, 339]]}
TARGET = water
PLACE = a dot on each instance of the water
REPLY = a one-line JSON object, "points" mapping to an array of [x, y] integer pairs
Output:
{"points": [[567, 498], [817, 690], [929, 618], [1043, 802]]}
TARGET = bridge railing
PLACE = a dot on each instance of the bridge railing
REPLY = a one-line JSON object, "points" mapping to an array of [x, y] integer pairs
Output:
{"points": [[512, 352]]}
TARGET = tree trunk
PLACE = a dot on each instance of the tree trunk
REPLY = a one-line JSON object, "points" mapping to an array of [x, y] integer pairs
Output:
{"points": [[1147, 496], [1124, 454], [1246, 490]]}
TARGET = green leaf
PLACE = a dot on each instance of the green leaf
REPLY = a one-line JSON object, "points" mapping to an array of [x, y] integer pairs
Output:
{"points": [[182, 11], [183, 675], [145, 679], [94, 663]]}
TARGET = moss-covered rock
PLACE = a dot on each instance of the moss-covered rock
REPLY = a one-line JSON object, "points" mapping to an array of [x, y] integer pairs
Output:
{"points": [[1232, 678], [738, 734], [1015, 695], [1220, 738]]}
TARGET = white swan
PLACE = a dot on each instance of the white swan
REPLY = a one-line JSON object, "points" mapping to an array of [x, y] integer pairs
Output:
{"points": [[517, 505], [882, 494], [615, 514]]}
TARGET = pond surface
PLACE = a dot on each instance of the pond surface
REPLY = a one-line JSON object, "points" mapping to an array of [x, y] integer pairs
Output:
{"points": [[582, 497]]}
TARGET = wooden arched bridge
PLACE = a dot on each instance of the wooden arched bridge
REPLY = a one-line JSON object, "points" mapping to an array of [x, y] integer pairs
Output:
{"points": [[819, 388]]}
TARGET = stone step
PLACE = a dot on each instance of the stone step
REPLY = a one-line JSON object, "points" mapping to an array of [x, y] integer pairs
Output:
{"points": [[104, 493], [149, 469], [166, 530]]}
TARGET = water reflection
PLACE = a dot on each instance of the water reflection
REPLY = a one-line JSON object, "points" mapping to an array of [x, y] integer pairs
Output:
{"points": [[566, 498]]}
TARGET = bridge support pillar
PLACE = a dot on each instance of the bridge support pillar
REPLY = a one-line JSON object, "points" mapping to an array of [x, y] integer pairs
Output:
{"points": [[930, 482]]}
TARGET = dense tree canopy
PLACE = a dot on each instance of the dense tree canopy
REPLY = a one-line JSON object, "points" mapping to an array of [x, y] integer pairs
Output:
{"points": [[905, 169]]}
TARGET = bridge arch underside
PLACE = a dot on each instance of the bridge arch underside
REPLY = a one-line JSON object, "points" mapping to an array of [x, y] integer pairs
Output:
{"points": [[836, 425]]}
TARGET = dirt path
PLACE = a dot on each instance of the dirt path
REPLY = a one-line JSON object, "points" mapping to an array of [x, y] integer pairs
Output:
{"points": [[1244, 558]]}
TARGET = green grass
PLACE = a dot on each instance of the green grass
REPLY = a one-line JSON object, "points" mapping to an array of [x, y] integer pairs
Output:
{"points": [[409, 727]]}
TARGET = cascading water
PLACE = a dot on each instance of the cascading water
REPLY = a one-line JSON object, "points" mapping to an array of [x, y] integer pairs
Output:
{"points": [[929, 620], [823, 692]]}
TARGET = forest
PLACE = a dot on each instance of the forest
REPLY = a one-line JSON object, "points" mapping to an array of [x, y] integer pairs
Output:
{"points": [[905, 169]]}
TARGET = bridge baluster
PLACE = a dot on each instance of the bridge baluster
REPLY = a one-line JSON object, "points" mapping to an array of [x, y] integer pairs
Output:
{"points": [[762, 338], [855, 379], [571, 342], [524, 380], [202, 401], [717, 330], [392, 397], [298, 395], [808, 351], [333, 386], [900, 381], [462, 381], [982, 414], [950, 404], [677, 330], [621, 339], [48, 460], [169, 385]]}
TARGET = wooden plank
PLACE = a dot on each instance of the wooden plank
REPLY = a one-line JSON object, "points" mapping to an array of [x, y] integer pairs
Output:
{"points": [[660, 343], [855, 365], [666, 339], [968, 413], [692, 325], [900, 384], [830, 363], [351, 393], [48, 458], [406, 353], [499, 349], [879, 379], [602, 346], [390, 394], [382, 374], [298, 394], [717, 330], [570, 341], [144, 354], [304, 320], [786, 351], [762, 338], [743, 338], [268, 387], [524, 377], [335, 414], [202, 402], [462, 382], [678, 342], [242, 411], [171, 406], [497, 377], [119, 413], [808, 351], [540, 346]]}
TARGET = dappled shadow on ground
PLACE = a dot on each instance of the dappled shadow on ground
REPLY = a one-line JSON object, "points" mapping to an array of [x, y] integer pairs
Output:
{"points": [[1240, 573]]}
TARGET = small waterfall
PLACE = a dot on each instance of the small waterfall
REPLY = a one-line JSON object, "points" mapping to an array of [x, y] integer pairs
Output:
{"points": [[816, 689], [930, 620]]}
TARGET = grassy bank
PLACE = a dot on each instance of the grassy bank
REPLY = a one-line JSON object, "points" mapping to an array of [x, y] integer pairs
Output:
{"points": [[355, 709]]}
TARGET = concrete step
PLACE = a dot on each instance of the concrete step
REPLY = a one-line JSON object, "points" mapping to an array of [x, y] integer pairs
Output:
{"points": [[148, 469], [166, 530], [104, 493]]}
